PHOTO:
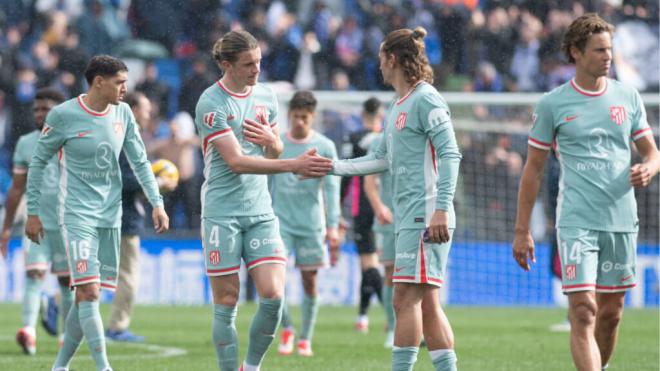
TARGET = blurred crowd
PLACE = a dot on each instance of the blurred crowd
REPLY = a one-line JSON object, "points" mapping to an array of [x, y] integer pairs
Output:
{"points": [[472, 45]]}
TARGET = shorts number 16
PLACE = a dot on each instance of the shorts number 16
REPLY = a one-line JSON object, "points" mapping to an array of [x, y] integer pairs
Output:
{"points": [[80, 250]]}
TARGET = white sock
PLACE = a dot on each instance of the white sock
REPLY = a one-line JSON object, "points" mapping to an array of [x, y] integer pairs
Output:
{"points": [[247, 367], [439, 353]]}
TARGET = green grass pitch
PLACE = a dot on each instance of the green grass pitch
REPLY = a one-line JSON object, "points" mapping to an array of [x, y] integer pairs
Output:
{"points": [[179, 338]]}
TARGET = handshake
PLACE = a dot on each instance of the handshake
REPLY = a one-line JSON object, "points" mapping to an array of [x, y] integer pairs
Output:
{"points": [[311, 165]]}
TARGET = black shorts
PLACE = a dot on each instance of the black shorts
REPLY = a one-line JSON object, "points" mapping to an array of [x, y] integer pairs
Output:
{"points": [[364, 240]]}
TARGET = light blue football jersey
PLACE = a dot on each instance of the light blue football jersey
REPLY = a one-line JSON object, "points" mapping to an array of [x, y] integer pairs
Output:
{"points": [[306, 207], [220, 112], [49, 203], [421, 153], [592, 133], [88, 144]]}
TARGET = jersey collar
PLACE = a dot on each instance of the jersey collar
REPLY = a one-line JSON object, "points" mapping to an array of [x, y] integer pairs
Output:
{"points": [[586, 92], [412, 89], [236, 95], [85, 108]]}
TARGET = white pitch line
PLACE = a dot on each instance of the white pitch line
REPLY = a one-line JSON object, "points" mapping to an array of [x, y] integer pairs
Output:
{"points": [[159, 351]]}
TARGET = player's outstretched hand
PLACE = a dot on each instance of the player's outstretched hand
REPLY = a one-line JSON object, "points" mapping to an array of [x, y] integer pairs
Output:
{"points": [[640, 175], [438, 230], [260, 134], [34, 230], [161, 220], [4, 242], [523, 250], [311, 165]]}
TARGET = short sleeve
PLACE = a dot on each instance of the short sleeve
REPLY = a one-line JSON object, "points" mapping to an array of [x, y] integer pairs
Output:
{"points": [[21, 161], [542, 133], [212, 124], [640, 125]]}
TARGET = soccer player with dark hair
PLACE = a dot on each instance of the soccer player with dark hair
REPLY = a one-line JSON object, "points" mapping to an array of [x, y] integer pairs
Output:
{"points": [[237, 121], [88, 133], [50, 251], [419, 149], [591, 121], [305, 230], [357, 145]]}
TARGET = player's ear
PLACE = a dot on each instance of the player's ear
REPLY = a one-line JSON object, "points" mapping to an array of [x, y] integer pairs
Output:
{"points": [[98, 81], [391, 60], [225, 65], [575, 52]]}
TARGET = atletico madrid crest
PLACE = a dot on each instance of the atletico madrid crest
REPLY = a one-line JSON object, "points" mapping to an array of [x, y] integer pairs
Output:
{"points": [[261, 112], [214, 257], [618, 114], [400, 121], [571, 271], [81, 266]]}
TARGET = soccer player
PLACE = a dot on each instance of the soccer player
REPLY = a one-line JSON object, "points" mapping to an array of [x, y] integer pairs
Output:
{"points": [[236, 118], [132, 222], [87, 133], [591, 121], [51, 249], [419, 149], [305, 230], [357, 145], [378, 189]]}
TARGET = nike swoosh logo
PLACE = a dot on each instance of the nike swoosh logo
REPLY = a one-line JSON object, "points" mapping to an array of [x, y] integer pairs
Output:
{"points": [[84, 133], [230, 117], [624, 279], [397, 270], [570, 118]]}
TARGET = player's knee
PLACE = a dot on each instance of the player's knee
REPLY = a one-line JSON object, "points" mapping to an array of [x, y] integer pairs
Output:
{"points": [[610, 316], [36, 274], [64, 281], [88, 292], [430, 308], [271, 295], [229, 299], [402, 301], [309, 283], [583, 314]]}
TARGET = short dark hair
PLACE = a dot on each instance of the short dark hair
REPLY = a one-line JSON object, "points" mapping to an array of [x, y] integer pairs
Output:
{"points": [[303, 100], [371, 106], [133, 98], [50, 94], [104, 66]]}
